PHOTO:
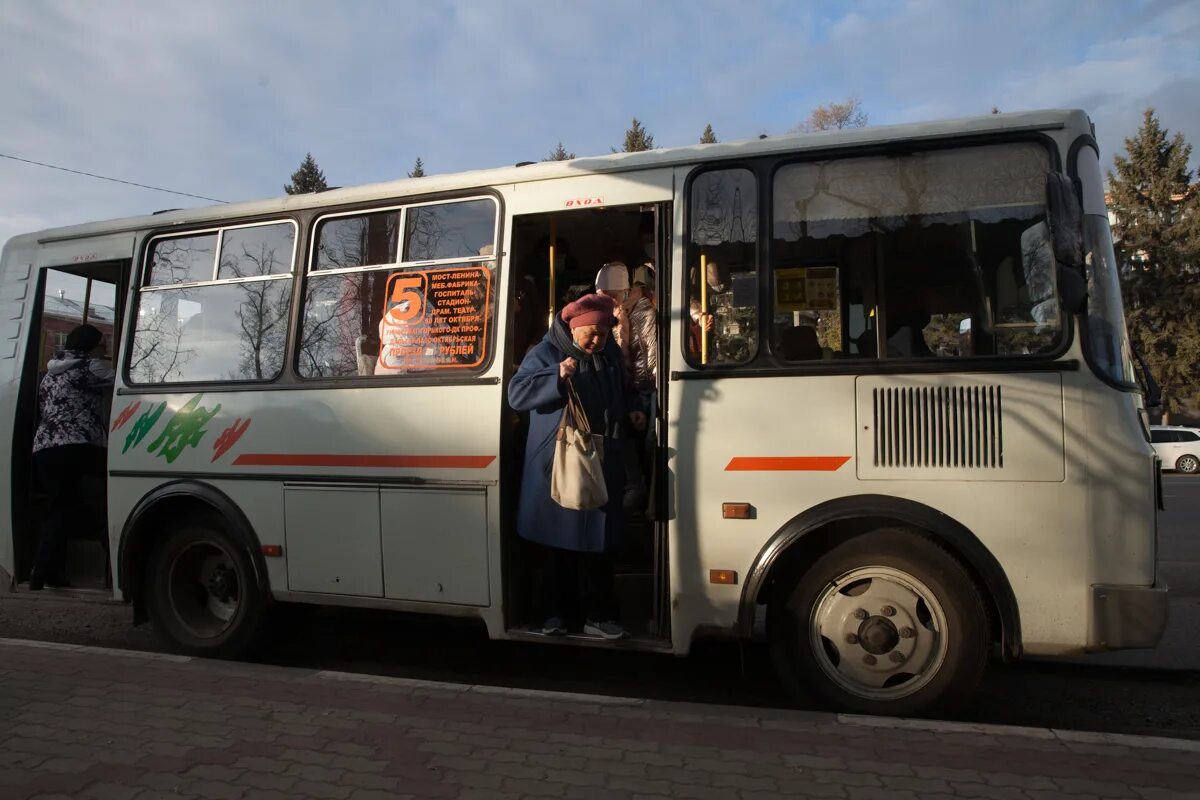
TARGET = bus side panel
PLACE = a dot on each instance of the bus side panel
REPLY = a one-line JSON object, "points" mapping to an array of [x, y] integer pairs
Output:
{"points": [[260, 501], [384, 493], [726, 431], [18, 285]]}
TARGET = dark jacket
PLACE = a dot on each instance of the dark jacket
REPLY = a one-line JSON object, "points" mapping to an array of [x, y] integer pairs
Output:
{"points": [[608, 397]]}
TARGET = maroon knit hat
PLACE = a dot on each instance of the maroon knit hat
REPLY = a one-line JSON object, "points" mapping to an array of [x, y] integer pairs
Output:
{"points": [[591, 309]]}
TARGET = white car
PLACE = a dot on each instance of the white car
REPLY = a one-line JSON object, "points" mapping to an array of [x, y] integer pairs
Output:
{"points": [[1179, 448]]}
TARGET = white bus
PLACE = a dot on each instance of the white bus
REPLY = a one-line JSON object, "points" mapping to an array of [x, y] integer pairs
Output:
{"points": [[909, 439]]}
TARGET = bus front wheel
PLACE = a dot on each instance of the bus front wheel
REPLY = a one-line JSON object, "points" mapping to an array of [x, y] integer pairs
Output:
{"points": [[885, 623], [202, 592]]}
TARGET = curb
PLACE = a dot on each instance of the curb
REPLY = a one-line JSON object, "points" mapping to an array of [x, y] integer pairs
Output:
{"points": [[666, 706]]}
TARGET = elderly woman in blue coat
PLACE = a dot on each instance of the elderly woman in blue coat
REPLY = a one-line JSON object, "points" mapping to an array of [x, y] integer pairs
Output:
{"points": [[578, 348]]}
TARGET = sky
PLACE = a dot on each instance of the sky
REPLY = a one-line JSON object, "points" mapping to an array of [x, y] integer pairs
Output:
{"points": [[223, 99]]}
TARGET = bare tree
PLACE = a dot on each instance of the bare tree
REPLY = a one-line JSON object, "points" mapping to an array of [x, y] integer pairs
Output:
{"points": [[835, 116], [262, 314], [158, 354]]}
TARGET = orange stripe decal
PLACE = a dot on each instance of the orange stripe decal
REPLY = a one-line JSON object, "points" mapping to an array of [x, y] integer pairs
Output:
{"points": [[786, 464], [395, 462]]}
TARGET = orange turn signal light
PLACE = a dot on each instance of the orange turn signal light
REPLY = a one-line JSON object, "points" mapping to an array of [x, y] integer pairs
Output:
{"points": [[737, 511], [272, 550], [725, 576]]}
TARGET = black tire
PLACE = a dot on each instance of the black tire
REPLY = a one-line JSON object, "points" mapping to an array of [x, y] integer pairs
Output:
{"points": [[197, 575], [1188, 465], [946, 665]]}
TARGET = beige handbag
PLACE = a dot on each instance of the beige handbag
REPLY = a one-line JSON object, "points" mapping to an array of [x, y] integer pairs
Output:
{"points": [[577, 474]]}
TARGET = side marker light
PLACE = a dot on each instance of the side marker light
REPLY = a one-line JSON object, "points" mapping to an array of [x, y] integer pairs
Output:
{"points": [[725, 576]]}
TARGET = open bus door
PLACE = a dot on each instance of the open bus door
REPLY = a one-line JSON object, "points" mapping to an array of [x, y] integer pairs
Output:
{"points": [[80, 281], [555, 254]]}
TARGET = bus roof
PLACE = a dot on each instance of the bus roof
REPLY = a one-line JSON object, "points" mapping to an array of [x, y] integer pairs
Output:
{"points": [[617, 162]]}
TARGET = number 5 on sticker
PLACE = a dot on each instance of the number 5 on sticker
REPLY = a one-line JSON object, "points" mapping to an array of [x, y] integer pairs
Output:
{"points": [[405, 301]]}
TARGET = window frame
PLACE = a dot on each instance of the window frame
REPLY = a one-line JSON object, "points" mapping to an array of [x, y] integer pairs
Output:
{"points": [[141, 286], [768, 363], [421, 377]]}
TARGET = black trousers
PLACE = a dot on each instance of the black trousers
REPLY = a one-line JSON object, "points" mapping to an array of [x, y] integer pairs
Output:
{"points": [[62, 471], [579, 586]]}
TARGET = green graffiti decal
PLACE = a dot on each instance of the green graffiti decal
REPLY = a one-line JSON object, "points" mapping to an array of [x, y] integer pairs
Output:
{"points": [[143, 426], [183, 430]]}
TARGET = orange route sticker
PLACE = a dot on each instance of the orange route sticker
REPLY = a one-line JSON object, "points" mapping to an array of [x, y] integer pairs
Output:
{"points": [[435, 319]]}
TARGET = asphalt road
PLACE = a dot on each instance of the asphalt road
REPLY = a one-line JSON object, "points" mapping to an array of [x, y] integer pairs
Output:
{"points": [[1154, 693]]}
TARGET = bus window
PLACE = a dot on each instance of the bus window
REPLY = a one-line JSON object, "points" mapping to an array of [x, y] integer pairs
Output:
{"points": [[192, 328], [361, 240], [187, 259], [449, 230], [723, 268], [367, 314], [959, 237]]}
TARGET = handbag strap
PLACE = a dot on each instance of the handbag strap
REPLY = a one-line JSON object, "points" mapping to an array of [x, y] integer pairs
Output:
{"points": [[574, 407]]}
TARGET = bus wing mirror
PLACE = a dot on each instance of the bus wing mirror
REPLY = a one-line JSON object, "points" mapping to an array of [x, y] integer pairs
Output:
{"points": [[1066, 220]]}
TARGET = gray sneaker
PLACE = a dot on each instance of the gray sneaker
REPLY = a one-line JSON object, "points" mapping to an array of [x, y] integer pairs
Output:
{"points": [[554, 627], [608, 629]]}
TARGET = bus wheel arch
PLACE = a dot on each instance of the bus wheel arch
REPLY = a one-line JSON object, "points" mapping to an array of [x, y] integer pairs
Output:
{"points": [[811, 534], [160, 513]]}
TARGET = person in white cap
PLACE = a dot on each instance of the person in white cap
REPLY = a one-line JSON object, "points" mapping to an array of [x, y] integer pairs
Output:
{"points": [[613, 281]]}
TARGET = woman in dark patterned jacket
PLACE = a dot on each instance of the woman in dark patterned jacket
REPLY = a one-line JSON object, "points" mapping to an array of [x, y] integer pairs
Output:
{"points": [[69, 443]]}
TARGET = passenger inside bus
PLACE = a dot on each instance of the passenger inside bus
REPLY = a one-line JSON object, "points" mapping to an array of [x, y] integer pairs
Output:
{"points": [[69, 447], [576, 358], [584, 242]]}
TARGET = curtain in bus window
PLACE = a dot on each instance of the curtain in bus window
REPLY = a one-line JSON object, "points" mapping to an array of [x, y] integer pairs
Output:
{"points": [[960, 236]]}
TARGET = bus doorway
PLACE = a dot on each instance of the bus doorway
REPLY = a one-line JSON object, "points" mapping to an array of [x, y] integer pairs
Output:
{"points": [[554, 259], [68, 296]]}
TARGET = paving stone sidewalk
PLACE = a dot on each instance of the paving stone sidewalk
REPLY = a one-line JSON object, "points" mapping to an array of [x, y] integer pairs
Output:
{"points": [[89, 723]]}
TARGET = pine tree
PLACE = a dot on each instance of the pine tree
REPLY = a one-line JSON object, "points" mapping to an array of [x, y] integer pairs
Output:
{"points": [[1157, 231], [559, 154], [418, 170], [834, 116], [708, 137], [308, 178], [637, 138]]}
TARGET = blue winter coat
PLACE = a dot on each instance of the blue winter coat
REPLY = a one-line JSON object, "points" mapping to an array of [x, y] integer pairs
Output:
{"points": [[608, 397]]}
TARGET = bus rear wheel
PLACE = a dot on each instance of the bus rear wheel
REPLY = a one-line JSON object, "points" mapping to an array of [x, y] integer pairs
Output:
{"points": [[203, 595], [886, 623]]}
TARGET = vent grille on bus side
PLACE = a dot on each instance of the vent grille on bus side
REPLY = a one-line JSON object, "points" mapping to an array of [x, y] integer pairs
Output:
{"points": [[939, 426]]}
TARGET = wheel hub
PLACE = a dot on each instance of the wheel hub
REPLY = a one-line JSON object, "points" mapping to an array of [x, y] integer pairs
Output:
{"points": [[878, 635], [222, 584], [878, 632]]}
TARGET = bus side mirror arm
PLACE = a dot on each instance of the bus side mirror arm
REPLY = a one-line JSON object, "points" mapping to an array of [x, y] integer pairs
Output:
{"points": [[1066, 220], [1066, 234], [1072, 289]]}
